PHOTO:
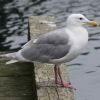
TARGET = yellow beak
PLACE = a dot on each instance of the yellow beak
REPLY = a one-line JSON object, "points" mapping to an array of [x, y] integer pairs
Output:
{"points": [[93, 23]]}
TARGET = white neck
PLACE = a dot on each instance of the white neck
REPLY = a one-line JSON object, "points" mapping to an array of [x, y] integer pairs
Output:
{"points": [[77, 33], [77, 29]]}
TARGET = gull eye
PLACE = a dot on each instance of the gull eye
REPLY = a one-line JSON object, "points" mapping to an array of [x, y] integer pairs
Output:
{"points": [[81, 18]]}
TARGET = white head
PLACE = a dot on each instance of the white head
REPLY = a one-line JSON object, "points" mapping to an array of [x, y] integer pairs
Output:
{"points": [[79, 20]]}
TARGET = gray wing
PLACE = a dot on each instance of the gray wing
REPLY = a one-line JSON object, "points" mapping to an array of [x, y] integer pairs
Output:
{"points": [[52, 45], [28, 44]]}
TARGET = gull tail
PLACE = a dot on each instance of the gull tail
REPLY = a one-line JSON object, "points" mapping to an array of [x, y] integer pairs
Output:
{"points": [[11, 56], [11, 62]]}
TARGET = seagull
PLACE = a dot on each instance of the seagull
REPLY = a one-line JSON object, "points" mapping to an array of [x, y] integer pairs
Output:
{"points": [[56, 47]]}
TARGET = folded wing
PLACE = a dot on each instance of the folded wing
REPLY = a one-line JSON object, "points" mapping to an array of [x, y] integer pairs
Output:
{"points": [[52, 45]]}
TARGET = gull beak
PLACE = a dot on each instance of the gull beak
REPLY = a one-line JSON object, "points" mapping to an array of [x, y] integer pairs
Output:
{"points": [[93, 23]]}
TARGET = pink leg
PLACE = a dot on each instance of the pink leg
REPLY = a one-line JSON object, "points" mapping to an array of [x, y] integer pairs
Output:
{"points": [[60, 81], [56, 73], [64, 84]]}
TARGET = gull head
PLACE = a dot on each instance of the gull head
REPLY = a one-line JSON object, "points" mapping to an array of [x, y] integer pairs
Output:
{"points": [[79, 20]]}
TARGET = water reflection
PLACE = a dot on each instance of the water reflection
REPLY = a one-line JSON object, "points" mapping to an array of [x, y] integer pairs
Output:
{"points": [[96, 48], [89, 72]]}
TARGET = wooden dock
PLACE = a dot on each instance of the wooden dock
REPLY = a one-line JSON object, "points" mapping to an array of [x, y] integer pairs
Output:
{"points": [[16, 81], [27, 81]]}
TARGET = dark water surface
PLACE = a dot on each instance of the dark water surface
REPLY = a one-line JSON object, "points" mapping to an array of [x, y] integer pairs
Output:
{"points": [[85, 70]]}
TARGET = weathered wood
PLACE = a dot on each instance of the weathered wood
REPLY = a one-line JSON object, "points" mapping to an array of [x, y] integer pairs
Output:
{"points": [[16, 98], [14, 70], [16, 81], [46, 89]]}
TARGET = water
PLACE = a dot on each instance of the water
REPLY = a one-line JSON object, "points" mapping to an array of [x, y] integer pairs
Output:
{"points": [[85, 70]]}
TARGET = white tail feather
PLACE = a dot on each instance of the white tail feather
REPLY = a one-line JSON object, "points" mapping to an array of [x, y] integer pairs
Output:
{"points": [[14, 57], [11, 61], [9, 55]]}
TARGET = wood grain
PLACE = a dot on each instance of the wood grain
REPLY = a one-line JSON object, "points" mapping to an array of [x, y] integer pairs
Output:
{"points": [[16, 81]]}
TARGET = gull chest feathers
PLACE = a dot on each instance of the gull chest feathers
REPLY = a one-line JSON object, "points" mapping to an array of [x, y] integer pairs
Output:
{"points": [[78, 40]]}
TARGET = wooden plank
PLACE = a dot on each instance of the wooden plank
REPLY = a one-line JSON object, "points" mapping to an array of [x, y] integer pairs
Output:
{"points": [[16, 98], [16, 86], [16, 81], [14, 70], [44, 72]]}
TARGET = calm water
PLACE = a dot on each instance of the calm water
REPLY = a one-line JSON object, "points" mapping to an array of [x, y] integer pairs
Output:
{"points": [[85, 70]]}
